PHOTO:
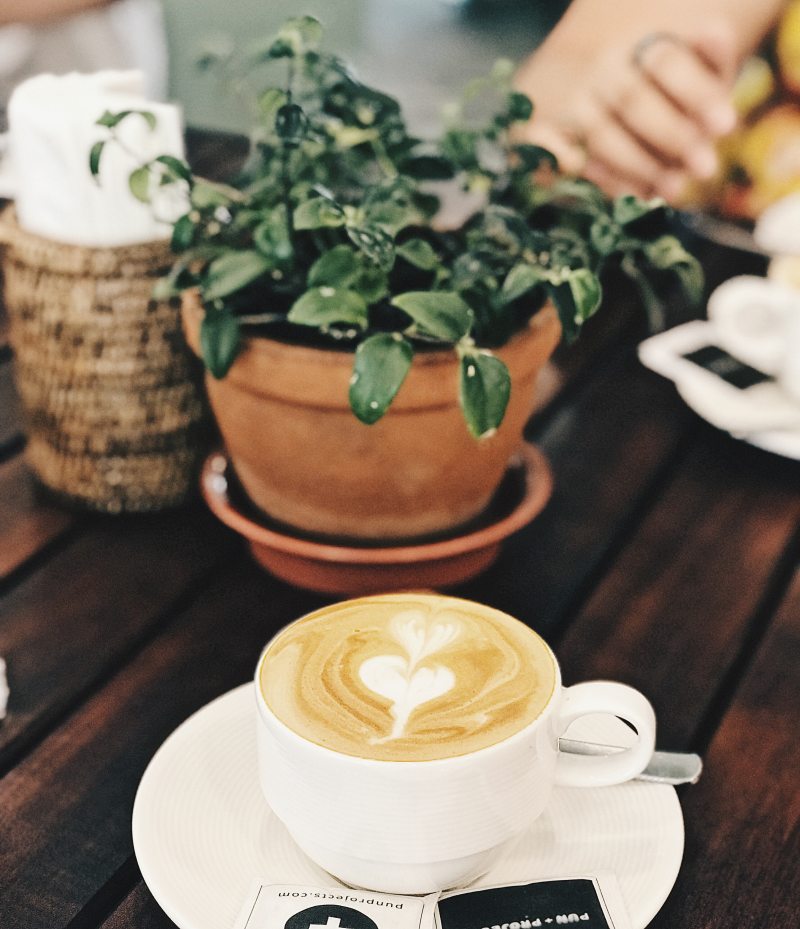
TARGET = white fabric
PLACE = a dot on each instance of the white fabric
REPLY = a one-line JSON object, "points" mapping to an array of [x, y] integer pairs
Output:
{"points": [[52, 127]]}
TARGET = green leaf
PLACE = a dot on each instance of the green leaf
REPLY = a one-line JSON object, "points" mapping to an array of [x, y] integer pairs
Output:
{"points": [[343, 268], [94, 158], [667, 254], [300, 35], [327, 306], [280, 48], [428, 168], [182, 234], [532, 156], [586, 293], [484, 390], [272, 238], [375, 243], [574, 195], [460, 146], [164, 288], [347, 137], [391, 217], [419, 253], [208, 193], [628, 209], [233, 271], [520, 279], [577, 296], [381, 364], [270, 102], [605, 234], [318, 213], [220, 335], [139, 183], [336, 268], [372, 282], [441, 314], [519, 106], [112, 120], [291, 124], [177, 168]]}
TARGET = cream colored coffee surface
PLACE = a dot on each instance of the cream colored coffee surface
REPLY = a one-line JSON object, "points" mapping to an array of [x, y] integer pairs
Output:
{"points": [[407, 677]]}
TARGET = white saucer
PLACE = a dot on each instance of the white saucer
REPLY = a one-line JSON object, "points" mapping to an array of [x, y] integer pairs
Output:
{"points": [[762, 415], [203, 833]]}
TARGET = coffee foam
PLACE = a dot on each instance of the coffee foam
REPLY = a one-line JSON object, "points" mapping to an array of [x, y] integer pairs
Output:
{"points": [[407, 677]]}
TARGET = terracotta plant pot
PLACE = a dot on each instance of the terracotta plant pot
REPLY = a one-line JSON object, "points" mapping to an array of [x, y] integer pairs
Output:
{"points": [[336, 568], [306, 461]]}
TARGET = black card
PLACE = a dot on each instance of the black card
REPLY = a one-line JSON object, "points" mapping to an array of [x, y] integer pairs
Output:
{"points": [[730, 369], [539, 905]]}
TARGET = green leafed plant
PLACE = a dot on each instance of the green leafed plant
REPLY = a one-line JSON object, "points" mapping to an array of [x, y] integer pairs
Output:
{"points": [[333, 227]]}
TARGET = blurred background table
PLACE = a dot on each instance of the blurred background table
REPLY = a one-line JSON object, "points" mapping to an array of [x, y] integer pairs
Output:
{"points": [[666, 558]]}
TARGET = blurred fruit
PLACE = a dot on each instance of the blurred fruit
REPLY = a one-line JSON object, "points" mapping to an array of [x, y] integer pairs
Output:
{"points": [[769, 155], [760, 160], [787, 46]]}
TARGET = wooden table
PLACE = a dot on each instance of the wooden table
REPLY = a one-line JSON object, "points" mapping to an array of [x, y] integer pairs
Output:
{"points": [[667, 558]]}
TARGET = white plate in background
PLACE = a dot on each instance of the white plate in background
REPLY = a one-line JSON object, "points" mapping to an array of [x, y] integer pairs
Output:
{"points": [[762, 415]]}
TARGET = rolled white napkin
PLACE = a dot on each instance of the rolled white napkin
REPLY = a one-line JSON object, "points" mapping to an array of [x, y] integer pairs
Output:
{"points": [[52, 127]]}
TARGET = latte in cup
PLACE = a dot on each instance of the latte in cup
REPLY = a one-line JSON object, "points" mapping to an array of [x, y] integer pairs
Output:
{"points": [[407, 678], [404, 739]]}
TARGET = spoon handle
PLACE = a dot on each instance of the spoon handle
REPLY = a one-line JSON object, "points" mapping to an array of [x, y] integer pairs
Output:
{"points": [[663, 768]]}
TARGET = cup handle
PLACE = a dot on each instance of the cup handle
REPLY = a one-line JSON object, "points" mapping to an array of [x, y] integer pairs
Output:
{"points": [[616, 700]]}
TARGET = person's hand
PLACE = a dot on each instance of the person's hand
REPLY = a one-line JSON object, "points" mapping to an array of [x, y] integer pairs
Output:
{"points": [[641, 119]]}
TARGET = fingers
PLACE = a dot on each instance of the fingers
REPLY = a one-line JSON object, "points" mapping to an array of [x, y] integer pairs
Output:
{"points": [[646, 119], [715, 42], [660, 127], [694, 77], [612, 147], [608, 158]]}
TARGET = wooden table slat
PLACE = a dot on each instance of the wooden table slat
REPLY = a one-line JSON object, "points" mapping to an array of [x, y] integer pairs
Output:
{"points": [[28, 522], [606, 449], [105, 592], [672, 614], [743, 817], [54, 856]]}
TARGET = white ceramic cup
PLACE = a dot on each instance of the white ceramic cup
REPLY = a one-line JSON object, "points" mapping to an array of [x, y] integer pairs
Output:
{"points": [[422, 826], [757, 320]]}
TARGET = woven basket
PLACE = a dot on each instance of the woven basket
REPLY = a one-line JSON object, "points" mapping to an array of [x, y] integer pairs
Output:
{"points": [[116, 419]]}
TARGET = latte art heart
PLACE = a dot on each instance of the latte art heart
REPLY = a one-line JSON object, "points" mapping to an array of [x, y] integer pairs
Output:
{"points": [[407, 687], [407, 677], [403, 679]]}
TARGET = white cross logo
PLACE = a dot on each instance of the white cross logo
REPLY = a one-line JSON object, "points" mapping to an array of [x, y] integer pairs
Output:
{"points": [[333, 923]]}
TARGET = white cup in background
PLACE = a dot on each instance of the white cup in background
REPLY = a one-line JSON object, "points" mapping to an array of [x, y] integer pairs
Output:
{"points": [[757, 320]]}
